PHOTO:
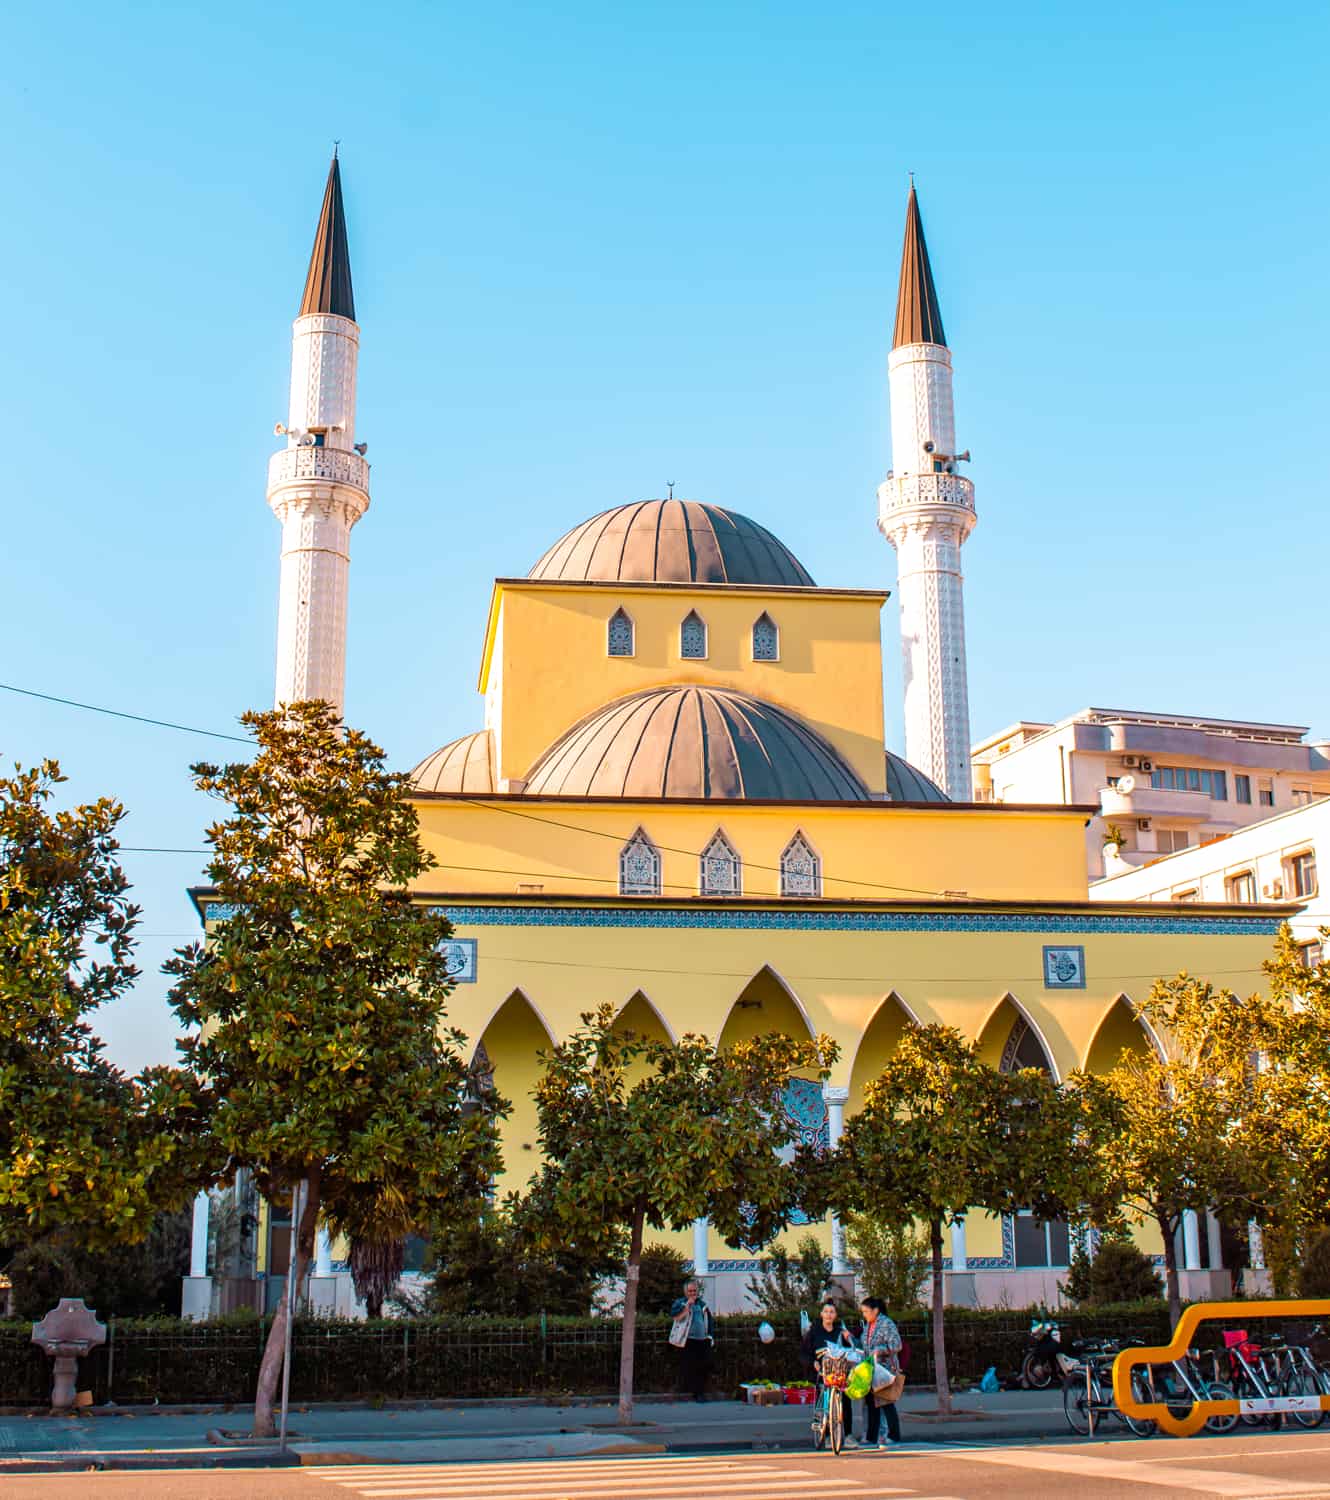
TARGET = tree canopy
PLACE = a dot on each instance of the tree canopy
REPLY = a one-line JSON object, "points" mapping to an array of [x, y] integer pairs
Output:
{"points": [[316, 1012]]}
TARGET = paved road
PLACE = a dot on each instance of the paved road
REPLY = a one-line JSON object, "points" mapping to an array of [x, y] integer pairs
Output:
{"points": [[1274, 1466]]}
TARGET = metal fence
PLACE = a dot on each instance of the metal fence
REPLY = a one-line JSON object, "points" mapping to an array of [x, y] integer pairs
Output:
{"points": [[173, 1361]]}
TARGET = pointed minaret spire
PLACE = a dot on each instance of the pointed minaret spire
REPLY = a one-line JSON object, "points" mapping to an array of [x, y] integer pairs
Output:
{"points": [[918, 318], [318, 485], [926, 511], [328, 282]]}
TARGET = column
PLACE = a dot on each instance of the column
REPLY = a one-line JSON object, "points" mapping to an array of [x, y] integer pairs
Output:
{"points": [[834, 1097], [1256, 1245], [701, 1262], [198, 1244], [323, 1252], [1191, 1241], [959, 1260], [1214, 1242]]}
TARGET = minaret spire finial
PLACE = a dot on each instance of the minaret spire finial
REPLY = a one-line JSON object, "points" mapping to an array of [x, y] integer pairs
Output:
{"points": [[918, 317], [328, 280]]}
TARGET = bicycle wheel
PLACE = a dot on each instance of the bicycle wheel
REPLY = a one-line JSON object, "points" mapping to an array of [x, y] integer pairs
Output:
{"points": [[1304, 1383], [1140, 1388], [1215, 1391], [837, 1421], [1075, 1405], [820, 1420], [1037, 1372]]}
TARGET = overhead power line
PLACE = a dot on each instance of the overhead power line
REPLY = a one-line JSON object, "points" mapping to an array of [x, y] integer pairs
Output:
{"points": [[115, 713]]}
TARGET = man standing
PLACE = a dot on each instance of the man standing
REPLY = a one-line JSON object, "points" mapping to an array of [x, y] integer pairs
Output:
{"points": [[691, 1312]]}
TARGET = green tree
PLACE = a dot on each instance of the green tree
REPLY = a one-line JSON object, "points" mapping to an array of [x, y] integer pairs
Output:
{"points": [[84, 1150], [315, 1013], [894, 1259], [942, 1133], [643, 1132], [135, 1280], [1200, 1125], [660, 1278], [791, 1282], [1118, 1272]]}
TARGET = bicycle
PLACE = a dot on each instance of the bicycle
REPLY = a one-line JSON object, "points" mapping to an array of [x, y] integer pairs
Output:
{"points": [[1087, 1391], [833, 1371], [1264, 1372]]}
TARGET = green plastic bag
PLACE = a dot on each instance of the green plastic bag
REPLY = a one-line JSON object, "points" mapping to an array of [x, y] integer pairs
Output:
{"points": [[861, 1381]]}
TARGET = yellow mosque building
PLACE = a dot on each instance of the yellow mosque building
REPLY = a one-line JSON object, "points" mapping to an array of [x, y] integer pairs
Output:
{"points": [[680, 801]]}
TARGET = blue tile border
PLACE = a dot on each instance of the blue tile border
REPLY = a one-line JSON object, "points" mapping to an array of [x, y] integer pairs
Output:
{"points": [[850, 921]]}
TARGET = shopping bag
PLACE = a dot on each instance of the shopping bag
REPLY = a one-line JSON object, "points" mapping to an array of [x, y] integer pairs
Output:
{"points": [[679, 1332]]}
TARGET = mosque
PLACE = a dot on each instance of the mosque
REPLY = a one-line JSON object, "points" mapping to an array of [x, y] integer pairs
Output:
{"points": [[679, 798]]}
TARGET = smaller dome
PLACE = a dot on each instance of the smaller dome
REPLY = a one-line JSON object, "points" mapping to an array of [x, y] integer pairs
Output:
{"points": [[907, 784], [694, 742], [465, 765], [672, 541]]}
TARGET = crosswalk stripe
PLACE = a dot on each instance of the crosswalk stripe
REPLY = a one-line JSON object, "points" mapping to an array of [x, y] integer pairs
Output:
{"points": [[1212, 1482], [409, 1474], [564, 1465], [568, 1484]]}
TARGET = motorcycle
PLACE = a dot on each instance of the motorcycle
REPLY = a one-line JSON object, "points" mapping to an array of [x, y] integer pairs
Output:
{"points": [[1045, 1361]]}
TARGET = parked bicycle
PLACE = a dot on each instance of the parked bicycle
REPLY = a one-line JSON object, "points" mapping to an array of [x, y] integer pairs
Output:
{"points": [[1263, 1373], [1087, 1396], [830, 1409]]}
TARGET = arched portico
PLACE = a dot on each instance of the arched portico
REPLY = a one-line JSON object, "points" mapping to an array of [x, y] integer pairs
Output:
{"points": [[1011, 1039], [765, 1004], [879, 1040], [1122, 1030], [512, 1042]]}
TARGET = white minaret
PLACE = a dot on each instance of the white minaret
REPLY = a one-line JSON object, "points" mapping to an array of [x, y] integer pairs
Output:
{"points": [[926, 511], [319, 486]]}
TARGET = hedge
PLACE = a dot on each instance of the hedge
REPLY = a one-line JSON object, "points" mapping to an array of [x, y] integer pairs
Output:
{"points": [[419, 1359]]}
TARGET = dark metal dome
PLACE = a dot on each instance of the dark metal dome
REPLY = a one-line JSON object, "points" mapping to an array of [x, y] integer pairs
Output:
{"points": [[694, 742], [672, 541], [905, 783]]}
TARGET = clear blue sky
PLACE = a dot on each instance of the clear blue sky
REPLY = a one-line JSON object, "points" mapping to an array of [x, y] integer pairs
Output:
{"points": [[598, 247]]}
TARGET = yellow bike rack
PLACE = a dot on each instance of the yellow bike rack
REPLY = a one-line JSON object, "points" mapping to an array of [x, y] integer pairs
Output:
{"points": [[1177, 1347]]}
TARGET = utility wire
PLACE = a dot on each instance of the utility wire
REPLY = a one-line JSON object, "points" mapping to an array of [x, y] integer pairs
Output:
{"points": [[116, 713]]}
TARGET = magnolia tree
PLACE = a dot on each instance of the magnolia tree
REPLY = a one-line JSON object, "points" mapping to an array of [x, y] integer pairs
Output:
{"points": [[86, 1154], [642, 1132], [316, 1010], [942, 1134], [1194, 1123]]}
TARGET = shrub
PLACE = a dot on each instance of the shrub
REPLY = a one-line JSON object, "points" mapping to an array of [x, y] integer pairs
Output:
{"points": [[785, 1283], [1314, 1270], [894, 1260], [660, 1278], [122, 1281], [1119, 1272]]}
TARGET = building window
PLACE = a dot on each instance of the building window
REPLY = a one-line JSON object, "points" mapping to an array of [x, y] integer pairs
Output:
{"points": [[639, 867], [693, 637], [800, 869], [1302, 795], [1265, 792], [766, 639], [1168, 840], [619, 635], [1242, 788], [1190, 779], [718, 874], [1041, 1242], [1241, 888], [1188, 895], [1302, 873], [1310, 954]]}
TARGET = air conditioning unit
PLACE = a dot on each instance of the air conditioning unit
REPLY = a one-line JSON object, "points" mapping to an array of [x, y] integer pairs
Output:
{"points": [[1274, 890], [1143, 824], [1131, 760], [1147, 765]]}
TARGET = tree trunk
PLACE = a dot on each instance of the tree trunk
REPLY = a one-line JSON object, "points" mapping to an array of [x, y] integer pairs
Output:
{"points": [[939, 1322], [302, 1252], [630, 1317], [1168, 1228]]}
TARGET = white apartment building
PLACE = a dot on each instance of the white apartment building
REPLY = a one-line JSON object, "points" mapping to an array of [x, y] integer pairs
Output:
{"points": [[1164, 782], [1277, 859]]}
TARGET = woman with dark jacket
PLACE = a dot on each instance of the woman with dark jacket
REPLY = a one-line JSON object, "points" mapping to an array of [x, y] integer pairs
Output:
{"points": [[826, 1329], [695, 1354]]}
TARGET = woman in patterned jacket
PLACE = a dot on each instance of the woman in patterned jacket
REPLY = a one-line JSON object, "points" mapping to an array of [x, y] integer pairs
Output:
{"points": [[880, 1340]]}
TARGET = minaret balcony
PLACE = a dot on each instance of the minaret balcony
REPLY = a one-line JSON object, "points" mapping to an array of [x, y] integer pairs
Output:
{"points": [[329, 465], [908, 491]]}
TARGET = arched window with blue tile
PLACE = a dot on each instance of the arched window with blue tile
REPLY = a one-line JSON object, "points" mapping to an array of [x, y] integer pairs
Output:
{"points": [[693, 637], [639, 867], [766, 638], [619, 634]]}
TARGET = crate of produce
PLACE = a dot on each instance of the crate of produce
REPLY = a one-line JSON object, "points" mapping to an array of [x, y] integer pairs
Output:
{"points": [[798, 1395]]}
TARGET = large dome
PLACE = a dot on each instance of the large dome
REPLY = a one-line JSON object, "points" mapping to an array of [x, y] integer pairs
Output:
{"points": [[671, 541], [906, 783], [465, 765], [694, 742]]}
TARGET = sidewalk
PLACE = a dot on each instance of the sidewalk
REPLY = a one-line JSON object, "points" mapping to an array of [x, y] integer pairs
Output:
{"points": [[148, 1437]]}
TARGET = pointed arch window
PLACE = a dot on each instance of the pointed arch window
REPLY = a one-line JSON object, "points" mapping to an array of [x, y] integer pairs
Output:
{"points": [[800, 869], [639, 867], [719, 868], [766, 638], [620, 635], [693, 637]]}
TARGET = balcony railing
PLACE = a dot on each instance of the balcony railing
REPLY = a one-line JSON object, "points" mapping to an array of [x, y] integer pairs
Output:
{"points": [[1157, 802], [925, 489], [332, 465]]}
